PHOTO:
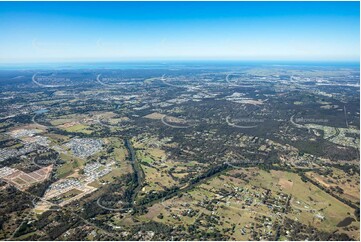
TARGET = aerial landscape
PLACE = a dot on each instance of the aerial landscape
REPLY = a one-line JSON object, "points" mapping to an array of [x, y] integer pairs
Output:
{"points": [[179, 149]]}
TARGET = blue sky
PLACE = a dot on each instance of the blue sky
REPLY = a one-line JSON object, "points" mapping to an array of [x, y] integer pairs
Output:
{"points": [[107, 31]]}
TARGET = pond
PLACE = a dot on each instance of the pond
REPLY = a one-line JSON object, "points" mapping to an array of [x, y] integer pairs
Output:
{"points": [[345, 222], [41, 111]]}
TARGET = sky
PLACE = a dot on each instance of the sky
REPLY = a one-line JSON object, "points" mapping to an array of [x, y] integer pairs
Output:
{"points": [[118, 31]]}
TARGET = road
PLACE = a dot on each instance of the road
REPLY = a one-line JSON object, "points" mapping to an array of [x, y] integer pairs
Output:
{"points": [[239, 126], [234, 84], [42, 85], [111, 209], [163, 79], [173, 126], [105, 84], [36, 123]]}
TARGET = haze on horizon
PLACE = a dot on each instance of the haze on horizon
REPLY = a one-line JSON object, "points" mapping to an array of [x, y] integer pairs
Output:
{"points": [[113, 31]]}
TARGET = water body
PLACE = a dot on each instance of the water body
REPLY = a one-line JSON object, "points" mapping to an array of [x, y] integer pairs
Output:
{"points": [[345, 222], [41, 111], [138, 173]]}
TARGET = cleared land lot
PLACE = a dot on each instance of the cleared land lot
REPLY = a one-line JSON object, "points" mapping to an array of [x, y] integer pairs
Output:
{"points": [[245, 196]]}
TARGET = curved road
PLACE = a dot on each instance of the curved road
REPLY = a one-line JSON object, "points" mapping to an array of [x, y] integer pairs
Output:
{"points": [[239, 126], [235, 84], [43, 85], [111, 209], [106, 84], [173, 126]]}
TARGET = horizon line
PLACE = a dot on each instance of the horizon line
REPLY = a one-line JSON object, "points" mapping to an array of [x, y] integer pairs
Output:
{"points": [[80, 61]]}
